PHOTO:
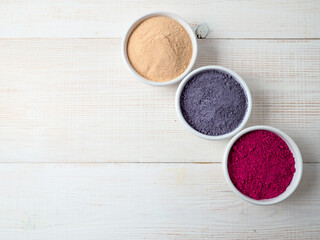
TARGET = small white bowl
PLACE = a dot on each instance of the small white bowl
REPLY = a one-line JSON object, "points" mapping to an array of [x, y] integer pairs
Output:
{"points": [[184, 24], [298, 166], [237, 78]]}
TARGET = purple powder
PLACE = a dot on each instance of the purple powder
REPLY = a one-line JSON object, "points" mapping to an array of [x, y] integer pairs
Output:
{"points": [[213, 103]]}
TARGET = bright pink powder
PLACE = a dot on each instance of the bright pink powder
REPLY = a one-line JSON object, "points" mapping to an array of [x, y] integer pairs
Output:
{"points": [[261, 165]]}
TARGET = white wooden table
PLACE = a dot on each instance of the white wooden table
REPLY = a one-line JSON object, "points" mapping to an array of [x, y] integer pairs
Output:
{"points": [[87, 152]]}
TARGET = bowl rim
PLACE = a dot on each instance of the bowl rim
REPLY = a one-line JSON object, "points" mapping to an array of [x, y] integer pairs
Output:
{"points": [[237, 78], [298, 165], [178, 19]]}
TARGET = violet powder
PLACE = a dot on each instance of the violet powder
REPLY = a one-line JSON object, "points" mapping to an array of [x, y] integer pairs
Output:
{"points": [[213, 103]]}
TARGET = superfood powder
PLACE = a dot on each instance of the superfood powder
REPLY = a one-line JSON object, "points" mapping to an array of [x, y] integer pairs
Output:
{"points": [[159, 49], [261, 165], [213, 103]]}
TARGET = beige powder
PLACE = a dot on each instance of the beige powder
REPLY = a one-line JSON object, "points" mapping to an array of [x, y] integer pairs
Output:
{"points": [[159, 49]]}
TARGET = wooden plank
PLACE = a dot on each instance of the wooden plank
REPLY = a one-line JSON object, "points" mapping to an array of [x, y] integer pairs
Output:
{"points": [[145, 201], [110, 19], [73, 100]]}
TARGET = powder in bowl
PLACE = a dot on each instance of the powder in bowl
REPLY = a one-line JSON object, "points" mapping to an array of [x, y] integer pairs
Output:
{"points": [[261, 165], [213, 102], [159, 49]]}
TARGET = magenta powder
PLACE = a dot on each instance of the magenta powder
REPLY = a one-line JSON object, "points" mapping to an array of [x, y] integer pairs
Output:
{"points": [[261, 165]]}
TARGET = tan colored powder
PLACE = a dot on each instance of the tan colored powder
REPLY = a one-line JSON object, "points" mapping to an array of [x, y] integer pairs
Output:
{"points": [[159, 49]]}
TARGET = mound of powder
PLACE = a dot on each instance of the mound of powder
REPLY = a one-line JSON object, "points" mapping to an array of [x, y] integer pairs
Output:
{"points": [[261, 165], [213, 103], [159, 49]]}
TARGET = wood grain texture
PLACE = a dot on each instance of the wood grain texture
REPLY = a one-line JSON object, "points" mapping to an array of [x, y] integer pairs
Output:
{"points": [[145, 201], [110, 19], [74, 101]]}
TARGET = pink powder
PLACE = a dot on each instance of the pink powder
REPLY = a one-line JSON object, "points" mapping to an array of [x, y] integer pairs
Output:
{"points": [[261, 165]]}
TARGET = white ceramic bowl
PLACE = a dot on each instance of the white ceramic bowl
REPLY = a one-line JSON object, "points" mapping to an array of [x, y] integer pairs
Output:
{"points": [[298, 166], [237, 78], [184, 24]]}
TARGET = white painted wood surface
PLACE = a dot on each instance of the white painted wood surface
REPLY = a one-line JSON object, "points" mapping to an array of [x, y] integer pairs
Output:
{"points": [[145, 201], [110, 19], [88, 152], [74, 101]]}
